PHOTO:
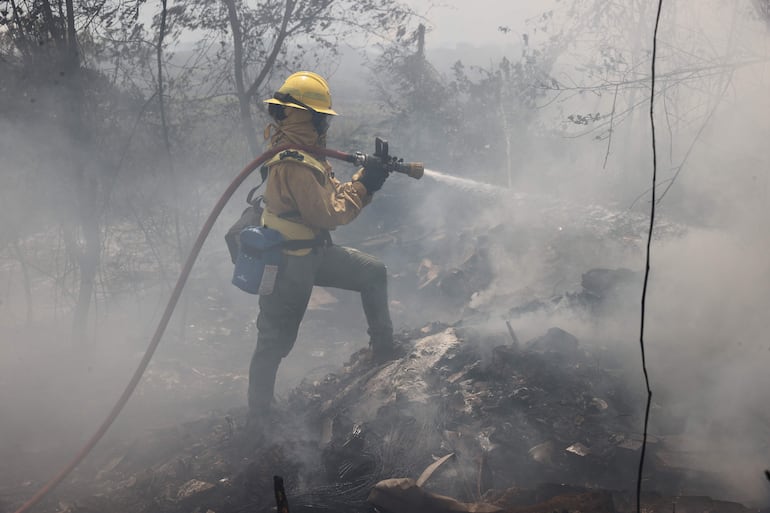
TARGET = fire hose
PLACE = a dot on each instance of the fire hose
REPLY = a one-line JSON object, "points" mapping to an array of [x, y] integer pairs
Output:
{"points": [[380, 159]]}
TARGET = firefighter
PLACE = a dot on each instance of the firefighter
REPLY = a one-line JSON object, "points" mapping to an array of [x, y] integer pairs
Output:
{"points": [[304, 202]]}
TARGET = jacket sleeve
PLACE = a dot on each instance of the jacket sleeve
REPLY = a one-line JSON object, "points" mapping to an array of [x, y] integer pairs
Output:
{"points": [[323, 202]]}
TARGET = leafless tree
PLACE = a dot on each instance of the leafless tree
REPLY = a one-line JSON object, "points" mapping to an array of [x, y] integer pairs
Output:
{"points": [[278, 36]]}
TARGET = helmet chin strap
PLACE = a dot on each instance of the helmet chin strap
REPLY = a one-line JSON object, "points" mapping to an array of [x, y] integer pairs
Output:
{"points": [[269, 130]]}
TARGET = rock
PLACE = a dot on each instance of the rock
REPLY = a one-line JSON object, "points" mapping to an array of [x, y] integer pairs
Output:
{"points": [[604, 282], [556, 340], [193, 488], [404, 496], [542, 453]]}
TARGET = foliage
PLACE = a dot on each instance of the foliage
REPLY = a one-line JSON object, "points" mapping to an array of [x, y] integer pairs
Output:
{"points": [[315, 29], [763, 10], [418, 102], [472, 120]]}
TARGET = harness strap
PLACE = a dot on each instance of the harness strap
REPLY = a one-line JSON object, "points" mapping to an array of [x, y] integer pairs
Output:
{"points": [[290, 213], [324, 239]]}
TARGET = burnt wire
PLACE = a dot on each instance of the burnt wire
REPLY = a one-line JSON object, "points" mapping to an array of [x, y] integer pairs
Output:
{"points": [[647, 261], [341, 497], [347, 497]]}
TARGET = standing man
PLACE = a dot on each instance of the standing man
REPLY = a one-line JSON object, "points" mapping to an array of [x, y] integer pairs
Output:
{"points": [[304, 201]]}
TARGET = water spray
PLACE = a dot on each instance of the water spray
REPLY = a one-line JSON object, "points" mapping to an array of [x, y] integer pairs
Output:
{"points": [[463, 183], [380, 158]]}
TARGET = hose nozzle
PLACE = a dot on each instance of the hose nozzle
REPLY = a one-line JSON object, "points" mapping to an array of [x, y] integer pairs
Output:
{"points": [[413, 169], [388, 163]]}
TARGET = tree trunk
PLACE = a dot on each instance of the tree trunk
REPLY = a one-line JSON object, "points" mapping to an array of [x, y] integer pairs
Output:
{"points": [[245, 95], [161, 102], [27, 282], [180, 246], [247, 122], [503, 106], [88, 264], [89, 252]]}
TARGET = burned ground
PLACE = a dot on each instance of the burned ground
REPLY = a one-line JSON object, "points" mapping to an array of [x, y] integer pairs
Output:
{"points": [[511, 418], [475, 408]]}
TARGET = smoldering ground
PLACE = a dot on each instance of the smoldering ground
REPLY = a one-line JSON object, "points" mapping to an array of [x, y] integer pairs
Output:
{"points": [[705, 326]]}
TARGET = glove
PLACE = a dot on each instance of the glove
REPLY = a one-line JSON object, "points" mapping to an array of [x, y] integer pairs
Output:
{"points": [[372, 178]]}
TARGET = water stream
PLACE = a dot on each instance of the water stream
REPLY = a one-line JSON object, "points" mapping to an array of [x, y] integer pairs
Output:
{"points": [[465, 184]]}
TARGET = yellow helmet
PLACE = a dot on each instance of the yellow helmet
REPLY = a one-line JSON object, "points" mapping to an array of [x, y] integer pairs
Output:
{"points": [[305, 90]]}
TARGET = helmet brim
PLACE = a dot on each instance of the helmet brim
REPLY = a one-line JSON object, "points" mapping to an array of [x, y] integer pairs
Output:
{"points": [[294, 105]]}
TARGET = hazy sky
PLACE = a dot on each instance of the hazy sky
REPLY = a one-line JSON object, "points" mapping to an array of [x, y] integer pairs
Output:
{"points": [[475, 21]]}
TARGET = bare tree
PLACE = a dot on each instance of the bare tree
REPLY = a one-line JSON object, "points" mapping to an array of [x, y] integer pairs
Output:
{"points": [[281, 35], [41, 44], [30, 30]]}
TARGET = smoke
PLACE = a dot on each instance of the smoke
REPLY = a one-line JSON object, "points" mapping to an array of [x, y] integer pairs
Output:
{"points": [[709, 298], [708, 353], [568, 211], [582, 202]]}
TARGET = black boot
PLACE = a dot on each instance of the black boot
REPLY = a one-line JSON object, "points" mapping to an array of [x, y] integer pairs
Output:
{"points": [[386, 351]]}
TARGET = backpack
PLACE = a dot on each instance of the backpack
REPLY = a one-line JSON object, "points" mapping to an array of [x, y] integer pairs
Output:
{"points": [[252, 216]]}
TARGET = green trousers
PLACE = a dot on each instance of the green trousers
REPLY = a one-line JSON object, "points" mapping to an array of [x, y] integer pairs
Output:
{"points": [[281, 312]]}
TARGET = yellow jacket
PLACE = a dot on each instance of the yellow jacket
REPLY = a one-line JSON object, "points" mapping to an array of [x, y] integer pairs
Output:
{"points": [[303, 188]]}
